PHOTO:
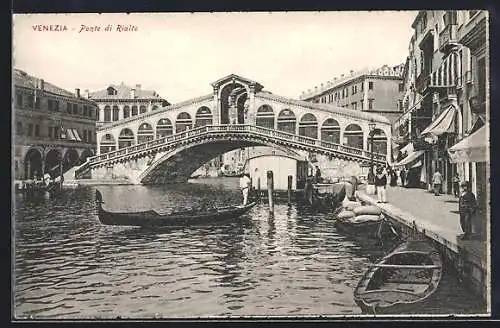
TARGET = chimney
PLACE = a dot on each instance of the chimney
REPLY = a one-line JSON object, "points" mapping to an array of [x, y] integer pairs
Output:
{"points": [[86, 93], [77, 93], [132, 93], [137, 86], [341, 76], [41, 85], [352, 72]]}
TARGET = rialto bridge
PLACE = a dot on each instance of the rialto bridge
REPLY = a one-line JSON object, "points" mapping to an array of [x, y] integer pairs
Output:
{"points": [[169, 144]]}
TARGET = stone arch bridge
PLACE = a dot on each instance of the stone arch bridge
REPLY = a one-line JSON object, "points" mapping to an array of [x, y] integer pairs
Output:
{"points": [[169, 144]]}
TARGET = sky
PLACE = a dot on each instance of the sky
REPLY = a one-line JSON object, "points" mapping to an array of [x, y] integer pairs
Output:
{"points": [[179, 54]]}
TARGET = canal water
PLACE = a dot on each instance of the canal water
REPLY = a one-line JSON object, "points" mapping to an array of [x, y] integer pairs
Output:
{"points": [[68, 266]]}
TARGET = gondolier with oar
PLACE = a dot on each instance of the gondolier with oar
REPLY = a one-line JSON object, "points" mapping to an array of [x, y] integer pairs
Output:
{"points": [[245, 186]]}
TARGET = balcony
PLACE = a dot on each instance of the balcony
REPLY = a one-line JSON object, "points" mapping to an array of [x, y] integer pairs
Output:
{"points": [[448, 38], [422, 82], [447, 93]]}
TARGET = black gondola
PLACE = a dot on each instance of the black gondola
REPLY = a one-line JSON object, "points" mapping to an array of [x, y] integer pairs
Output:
{"points": [[152, 218], [402, 281], [324, 196]]}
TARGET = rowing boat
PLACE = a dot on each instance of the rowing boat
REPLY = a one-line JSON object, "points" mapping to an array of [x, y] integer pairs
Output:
{"points": [[402, 281], [152, 218]]}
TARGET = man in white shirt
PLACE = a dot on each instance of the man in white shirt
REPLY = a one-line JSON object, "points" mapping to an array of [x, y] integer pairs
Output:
{"points": [[437, 180], [245, 186]]}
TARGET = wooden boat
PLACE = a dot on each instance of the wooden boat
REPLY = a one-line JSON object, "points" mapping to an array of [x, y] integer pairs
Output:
{"points": [[152, 218], [367, 228], [323, 195], [402, 281]]}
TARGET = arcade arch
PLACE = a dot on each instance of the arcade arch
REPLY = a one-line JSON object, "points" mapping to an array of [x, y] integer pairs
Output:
{"points": [[145, 133], [308, 126], [107, 144], [164, 128], [353, 136], [126, 138], [265, 117], [183, 122], [330, 131], [287, 121]]}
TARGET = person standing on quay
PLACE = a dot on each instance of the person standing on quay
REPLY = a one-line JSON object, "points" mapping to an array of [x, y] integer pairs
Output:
{"points": [[456, 181], [245, 186], [437, 181], [381, 185], [466, 207]]}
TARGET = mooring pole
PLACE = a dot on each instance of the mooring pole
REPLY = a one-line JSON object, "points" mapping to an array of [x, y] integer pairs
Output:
{"points": [[258, 189], [270, 188], [289, 188]]}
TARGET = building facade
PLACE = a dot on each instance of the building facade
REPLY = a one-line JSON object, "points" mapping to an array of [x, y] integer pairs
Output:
{"points": [[444, 101], [51, 125], [118, 102], [370, 90]]}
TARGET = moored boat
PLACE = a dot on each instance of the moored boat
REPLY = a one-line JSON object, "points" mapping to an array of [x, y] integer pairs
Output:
{"points": [[402, 281], [324, 196], [363, 225], [152, 218]]}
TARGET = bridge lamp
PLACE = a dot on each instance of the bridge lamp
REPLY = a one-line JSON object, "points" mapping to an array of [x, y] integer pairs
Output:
{"points": [[371, 126]]}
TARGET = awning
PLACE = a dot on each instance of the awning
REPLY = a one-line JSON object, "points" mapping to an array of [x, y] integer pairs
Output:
{"points": [[69, 133], [473, 148], [442, 124], [77, 136], [410, 158]]}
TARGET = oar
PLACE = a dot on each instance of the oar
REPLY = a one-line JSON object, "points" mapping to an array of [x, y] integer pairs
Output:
{"points": [[404, 266]]}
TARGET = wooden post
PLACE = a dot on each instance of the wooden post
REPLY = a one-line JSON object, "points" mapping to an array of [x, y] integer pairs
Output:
{"points": [[270, 188], [289, 188], [258, 189]]}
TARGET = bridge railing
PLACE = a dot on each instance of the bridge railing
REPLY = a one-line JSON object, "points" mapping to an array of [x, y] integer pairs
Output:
{"points": [[236, 128]]}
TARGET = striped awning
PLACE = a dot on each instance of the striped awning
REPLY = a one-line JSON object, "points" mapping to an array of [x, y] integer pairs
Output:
{"points": [[73, 135], [442, 124], [410, 159], [448, 73]]}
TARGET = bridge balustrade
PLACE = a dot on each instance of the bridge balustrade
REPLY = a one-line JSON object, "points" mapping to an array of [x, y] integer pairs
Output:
{"points": [[237, 127]]}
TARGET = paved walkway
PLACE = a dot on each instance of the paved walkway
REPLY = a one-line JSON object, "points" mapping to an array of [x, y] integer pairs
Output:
{"points": [[438, 215]]}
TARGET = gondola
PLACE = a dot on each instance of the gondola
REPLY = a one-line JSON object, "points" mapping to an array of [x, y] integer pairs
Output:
{"points": [[324, 196], [152, 218], [402, 281]]}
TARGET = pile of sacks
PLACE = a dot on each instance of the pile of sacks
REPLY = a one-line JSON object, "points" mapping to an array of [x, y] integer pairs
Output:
{"points": [[357, 212]]}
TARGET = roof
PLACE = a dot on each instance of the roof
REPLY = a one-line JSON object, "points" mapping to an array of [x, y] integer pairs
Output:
{"points": [[236, 77], [326, 107], [123, 91], [23, 79]]}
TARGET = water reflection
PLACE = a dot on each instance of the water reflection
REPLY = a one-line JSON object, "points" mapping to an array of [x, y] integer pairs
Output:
{"points": [[67, 265]]}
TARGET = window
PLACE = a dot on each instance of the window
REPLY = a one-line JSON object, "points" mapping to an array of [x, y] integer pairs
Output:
{"points": [[85, 110], [56, 105], [370, 85], [69, 107], [19, 99], [370, 103], [362, 86], [401, 87], [19, 128], [353, 90], [56, 132], [76, 109], [50, 132], [111, 91], [37, 102], [400, 104], [30, 101], [37, 130], [89, 136], [346, 92], [354, 105], [30, 130], [361, 103]]}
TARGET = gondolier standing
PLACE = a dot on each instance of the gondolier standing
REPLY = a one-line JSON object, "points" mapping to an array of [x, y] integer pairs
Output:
{"points": [[245, 186]]}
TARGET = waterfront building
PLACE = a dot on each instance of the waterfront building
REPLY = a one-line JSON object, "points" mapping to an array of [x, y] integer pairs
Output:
{"points": [[445, 93], [50, 125], [121, 101]]}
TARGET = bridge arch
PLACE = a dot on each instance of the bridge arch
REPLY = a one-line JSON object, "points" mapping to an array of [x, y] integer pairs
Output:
{"points": [[287, 122], [107, 144], [164, 128], [203, 117], [107, 114], [379, 142], [183, 122], [330, 131], [126, 111], [32, 163], [265, 117], [145, 133], [353, 136], [126, 138], [308, 126]]}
